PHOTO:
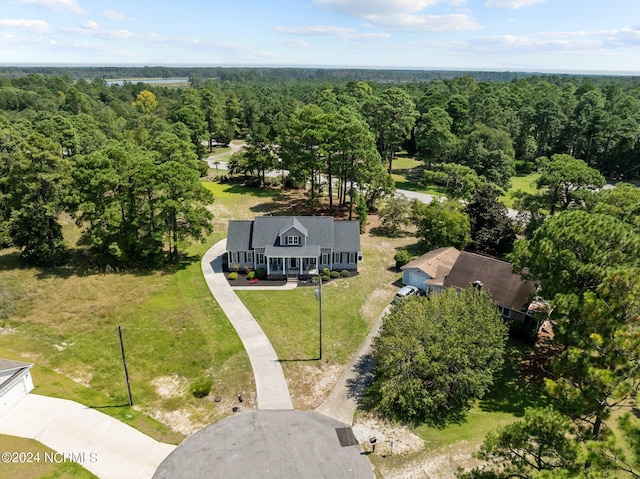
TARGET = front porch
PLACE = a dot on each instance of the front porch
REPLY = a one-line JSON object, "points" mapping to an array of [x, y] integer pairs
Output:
{"points": [[288, 266]]}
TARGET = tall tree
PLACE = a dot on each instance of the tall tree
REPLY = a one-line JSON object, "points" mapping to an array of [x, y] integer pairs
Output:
{"points": [[492, 231], [391, 116], [435, 357], [441, 224], [566, 180], [37, 183]]}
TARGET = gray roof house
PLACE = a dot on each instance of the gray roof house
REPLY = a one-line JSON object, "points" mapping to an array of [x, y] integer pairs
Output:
{"points": [[15, 383], [288, 246]]}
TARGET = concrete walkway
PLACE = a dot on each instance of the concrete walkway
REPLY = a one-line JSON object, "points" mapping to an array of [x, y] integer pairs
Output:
{"points": [[100, 443], [348, 391], [271, 385]]}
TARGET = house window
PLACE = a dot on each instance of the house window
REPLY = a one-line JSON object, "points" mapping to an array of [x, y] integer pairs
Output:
{"points": [[506, 312], [234, 256], [325, 258], [352, 258], [260, 258], [249, 256], [293, 240], [336, 257]]}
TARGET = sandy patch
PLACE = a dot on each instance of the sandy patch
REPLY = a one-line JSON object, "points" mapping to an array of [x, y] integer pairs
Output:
{"points": [[80, 376], [390, 439], [7, 330], [316, 383], [170, 386], [179, 420], [441, 464]]}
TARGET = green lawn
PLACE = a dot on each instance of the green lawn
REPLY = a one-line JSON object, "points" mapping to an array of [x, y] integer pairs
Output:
{"points": [[39, 468], [64, 320], [524, 183]]}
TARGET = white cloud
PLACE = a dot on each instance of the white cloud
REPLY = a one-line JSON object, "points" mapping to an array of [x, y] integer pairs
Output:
{"points": [[361, 8], [295, 43], [403, 14], [34, 26], [426, 23], [344, 33], [512, 4], [114, 15], [91, 25], [55, 5]]}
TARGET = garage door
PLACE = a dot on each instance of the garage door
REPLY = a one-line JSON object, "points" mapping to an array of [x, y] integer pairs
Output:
{"points": [[414, 278], [11, 397]]}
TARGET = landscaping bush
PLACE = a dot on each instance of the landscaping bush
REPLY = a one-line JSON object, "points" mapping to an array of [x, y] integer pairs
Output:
{"points": [[325, 278], [315, 279], [325, 271], [402, 257], [233, 275], [251, 274], [235, 267], [201, 388], [334, 274], [345, 273], [261, 273]]}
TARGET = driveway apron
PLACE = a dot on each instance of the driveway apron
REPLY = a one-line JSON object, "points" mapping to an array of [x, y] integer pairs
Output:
{"points": [[271, 385], [105, 446]]}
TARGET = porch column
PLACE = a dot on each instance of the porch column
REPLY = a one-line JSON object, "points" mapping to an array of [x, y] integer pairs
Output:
{"points": [[284, 266], [268, 265]]}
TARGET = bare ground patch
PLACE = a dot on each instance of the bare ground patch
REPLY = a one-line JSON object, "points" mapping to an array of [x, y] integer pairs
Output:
{"points": [[312, 384]]}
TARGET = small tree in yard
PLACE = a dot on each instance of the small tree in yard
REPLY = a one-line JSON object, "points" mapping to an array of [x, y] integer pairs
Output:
{"points": [[395, 214], [435, 357]]}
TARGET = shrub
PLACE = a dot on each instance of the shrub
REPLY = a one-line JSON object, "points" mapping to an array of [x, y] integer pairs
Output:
{"points": [[261, 273], [334, 274], [315, 279], [402, 257], [248, 268], [234, 267], [251, 274], [201, 388], [325, 271], [325, 278], [345, 273], [233, 275]]}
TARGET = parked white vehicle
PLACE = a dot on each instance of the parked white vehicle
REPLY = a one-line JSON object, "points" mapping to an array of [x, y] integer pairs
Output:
{"points": [[405, 292]]}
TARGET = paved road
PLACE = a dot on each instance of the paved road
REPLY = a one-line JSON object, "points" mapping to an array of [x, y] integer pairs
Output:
{"points": [[348, 391], [271, 386], [100, 443], [426, 198], [268, 445]]}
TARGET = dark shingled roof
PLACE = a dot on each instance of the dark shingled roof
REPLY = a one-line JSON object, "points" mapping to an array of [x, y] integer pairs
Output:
{"points": [[239, 235], [266, 229], [347, 235], [507, 288], [321, 231]]}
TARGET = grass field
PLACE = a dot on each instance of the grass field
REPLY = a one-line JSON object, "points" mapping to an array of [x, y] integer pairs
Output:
{"points": [[40, 467], [524, 183]]}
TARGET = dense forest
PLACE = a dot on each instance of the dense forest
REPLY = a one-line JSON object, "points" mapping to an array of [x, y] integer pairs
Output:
{"points": [[123, 159], [124, 162]]}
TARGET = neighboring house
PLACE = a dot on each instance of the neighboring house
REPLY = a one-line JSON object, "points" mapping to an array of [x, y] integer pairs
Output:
{"points": [[293, 245], [427, 273], [15, 383], [450, 268]]}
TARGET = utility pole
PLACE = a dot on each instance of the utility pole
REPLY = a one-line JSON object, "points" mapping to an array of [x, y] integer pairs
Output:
{"points": [[124, 364], [318, 294]]}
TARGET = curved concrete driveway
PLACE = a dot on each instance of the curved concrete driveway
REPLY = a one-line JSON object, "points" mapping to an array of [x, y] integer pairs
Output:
{"points": [[105, 446], [271, 386]]}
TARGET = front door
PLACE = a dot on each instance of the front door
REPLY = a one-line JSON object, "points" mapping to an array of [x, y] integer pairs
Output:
{"points": [[293, 263]]}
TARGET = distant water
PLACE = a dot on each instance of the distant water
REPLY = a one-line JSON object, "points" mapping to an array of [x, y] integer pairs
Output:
{"points": [[151, 81]]}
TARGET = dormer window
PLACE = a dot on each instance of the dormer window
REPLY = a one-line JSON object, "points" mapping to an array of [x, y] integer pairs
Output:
{"points": [[293, 240]]}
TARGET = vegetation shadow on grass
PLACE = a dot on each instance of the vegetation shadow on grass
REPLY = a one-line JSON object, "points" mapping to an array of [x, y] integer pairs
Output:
{"points": [[511, 393]]}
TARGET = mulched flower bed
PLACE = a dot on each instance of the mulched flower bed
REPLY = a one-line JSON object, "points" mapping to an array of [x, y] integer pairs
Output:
{"points": [[243, 281]]}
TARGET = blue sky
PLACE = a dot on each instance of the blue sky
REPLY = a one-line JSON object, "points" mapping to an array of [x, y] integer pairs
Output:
{"points": [[516, 35]]}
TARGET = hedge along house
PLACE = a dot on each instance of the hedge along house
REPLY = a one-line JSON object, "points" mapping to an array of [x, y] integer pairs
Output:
{"points": [[293, 246]]}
